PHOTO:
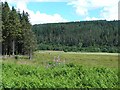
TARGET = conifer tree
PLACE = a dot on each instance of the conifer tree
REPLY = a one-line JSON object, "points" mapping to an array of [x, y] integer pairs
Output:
{"points": [[5, 28], [29, 41], [16, 32], [15, 28], [1, 28]]}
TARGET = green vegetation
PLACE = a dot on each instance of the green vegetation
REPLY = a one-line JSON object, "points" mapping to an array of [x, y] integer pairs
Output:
{"points": [[17, 36], [108, 60], [60, 76], [75, 72], [88, 36]]}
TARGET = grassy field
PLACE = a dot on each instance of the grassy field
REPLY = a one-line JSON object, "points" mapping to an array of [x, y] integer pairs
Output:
{"points": [[109, 60], [75, 70]]}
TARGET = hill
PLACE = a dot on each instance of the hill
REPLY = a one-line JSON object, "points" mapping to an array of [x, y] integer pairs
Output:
{"points": [[93, 36]]}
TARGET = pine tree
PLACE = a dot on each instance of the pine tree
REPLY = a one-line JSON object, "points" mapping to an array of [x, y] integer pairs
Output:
{"points": [[15, 28], [1, 28], [5, 28], [29, 41], [16, 32]]}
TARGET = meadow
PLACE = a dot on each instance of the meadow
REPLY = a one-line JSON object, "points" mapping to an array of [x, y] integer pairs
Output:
{"points": [[57, 69]]}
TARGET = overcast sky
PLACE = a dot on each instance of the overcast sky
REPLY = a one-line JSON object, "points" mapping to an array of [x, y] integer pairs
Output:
{"points": [[52, 11]]}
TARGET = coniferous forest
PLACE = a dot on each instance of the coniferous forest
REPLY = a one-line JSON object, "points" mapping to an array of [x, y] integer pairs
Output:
{"points": [[89, 36], [17, 36]]}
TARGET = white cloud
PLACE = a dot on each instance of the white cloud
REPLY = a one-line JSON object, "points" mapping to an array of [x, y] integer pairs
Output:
{"points": [[105, 3], [92, 18], [21, 5], [109, 8], [80, 5], [50, 0], [15, 1], [37, 17], [110, 13], [119, 10]]}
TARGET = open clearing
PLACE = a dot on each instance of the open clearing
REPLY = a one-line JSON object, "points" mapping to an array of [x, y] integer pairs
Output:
{"points": [[81, 58], [95, 53], [109, 60]]}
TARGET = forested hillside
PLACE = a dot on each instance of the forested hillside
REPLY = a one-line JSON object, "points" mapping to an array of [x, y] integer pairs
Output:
{"points": [[17, 36], [94, 36]]}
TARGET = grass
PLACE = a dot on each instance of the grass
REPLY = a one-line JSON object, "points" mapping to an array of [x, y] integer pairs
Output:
{"points": [[76, 70], [85, 59]]}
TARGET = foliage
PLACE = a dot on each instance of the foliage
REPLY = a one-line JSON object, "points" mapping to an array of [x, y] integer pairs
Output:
{"points": [[17, 35], [60, 76], [93, 36]]}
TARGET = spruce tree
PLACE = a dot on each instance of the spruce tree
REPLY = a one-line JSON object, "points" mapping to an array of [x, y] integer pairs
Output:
{"points": [[1, 28], [17, 35], [5, 28], [29, 41], [15, 28]]}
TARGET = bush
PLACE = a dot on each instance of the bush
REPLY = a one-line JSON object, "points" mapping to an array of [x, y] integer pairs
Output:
{"points": [[16, 57]]}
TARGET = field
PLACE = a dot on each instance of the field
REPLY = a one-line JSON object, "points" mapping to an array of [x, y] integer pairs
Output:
{"points": [[55, 69]]}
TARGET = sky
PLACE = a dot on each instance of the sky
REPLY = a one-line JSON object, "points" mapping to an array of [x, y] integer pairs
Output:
{"points": [[55, 11]]}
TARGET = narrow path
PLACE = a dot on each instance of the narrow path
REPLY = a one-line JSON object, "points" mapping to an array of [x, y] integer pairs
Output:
{"points": [[94, 53]]}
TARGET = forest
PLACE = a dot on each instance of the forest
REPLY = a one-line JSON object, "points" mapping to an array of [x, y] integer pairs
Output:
{"points": [[87, 36], [17, 36]]}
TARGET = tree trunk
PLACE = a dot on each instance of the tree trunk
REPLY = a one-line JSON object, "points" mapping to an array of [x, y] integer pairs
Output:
{"points": [[30, 54], [0, 48], [6, 49], [13, 47]]}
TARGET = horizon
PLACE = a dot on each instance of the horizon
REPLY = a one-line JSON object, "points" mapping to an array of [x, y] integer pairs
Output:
{"points": [[75, 22]]}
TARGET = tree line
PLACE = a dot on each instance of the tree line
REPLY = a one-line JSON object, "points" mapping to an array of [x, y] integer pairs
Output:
{"points": [[92, 36], [17, 36]]}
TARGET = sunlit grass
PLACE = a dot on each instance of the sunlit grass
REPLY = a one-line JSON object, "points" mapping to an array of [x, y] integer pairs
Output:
{"points": [[85, 59], [75, 70]]}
